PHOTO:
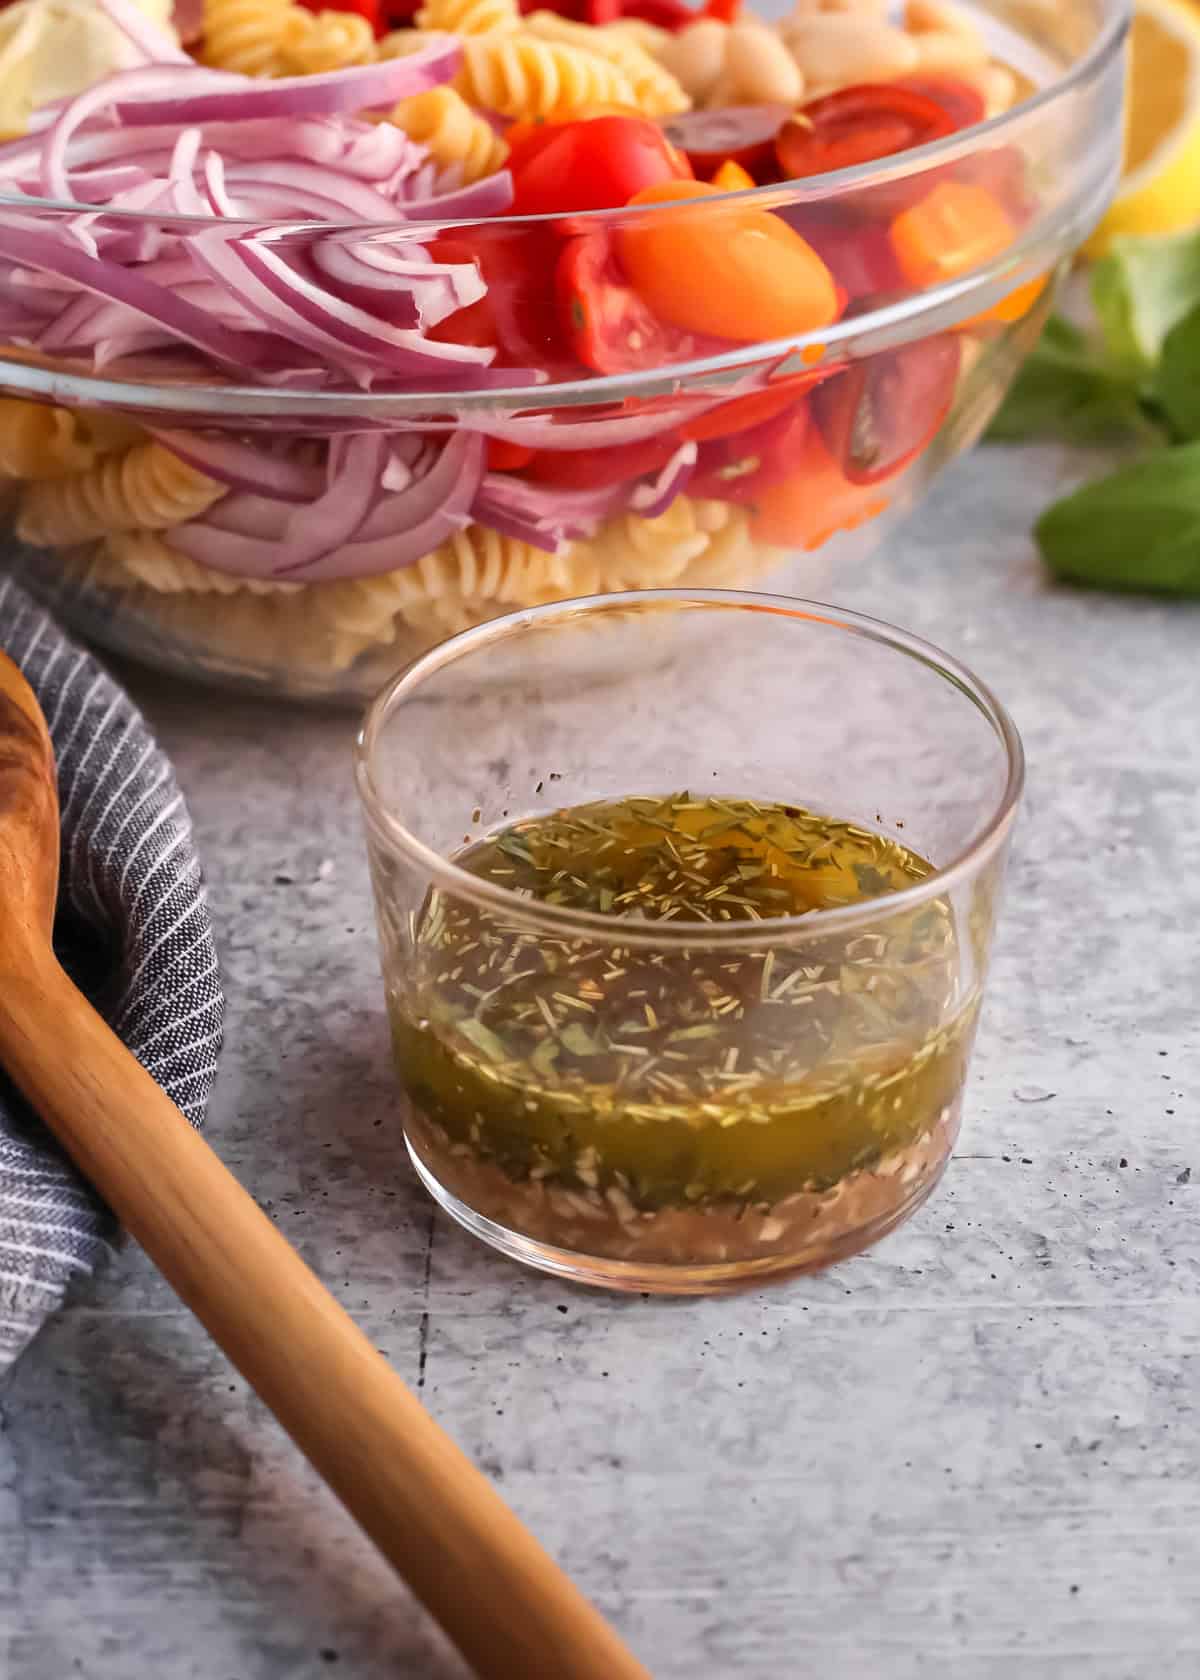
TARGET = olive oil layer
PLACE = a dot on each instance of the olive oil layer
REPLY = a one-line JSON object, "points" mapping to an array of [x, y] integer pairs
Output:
{"points": [[684, 1074]]}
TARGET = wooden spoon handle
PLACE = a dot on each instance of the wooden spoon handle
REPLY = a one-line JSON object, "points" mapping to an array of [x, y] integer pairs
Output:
{"points": [[511, 1611]]}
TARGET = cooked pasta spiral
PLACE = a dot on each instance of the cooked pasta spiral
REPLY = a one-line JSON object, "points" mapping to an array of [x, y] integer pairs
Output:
{"points": [[655, 90], [521, 76], [312, 42], [145, 489], [41, 442], [455, 136], [244, 35], [469, 17], [150, 560]]}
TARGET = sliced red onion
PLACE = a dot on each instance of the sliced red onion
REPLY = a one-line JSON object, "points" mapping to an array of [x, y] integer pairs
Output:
{"points": [[379, 276], [126, 84], [363, 87], [491, 196], [304, 188], [39, 249], [352, 328], [155, 45], [655, 496], [543, 515], [402, 529], [355, 468], [244, 467]]}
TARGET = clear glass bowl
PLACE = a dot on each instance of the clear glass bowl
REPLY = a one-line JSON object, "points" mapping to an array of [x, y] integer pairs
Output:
{"points": [[647, 1085], [805, 447]]}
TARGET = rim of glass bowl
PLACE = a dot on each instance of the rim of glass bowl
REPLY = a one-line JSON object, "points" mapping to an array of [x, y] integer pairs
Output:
{"points": [[1017, 263], [461, 884]]}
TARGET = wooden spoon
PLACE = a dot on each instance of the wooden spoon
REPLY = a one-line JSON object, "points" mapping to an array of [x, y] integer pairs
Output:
{"points": [[511, 1611]]}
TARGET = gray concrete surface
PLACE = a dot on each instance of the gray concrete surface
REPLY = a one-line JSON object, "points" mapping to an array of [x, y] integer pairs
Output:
{"points": [[972, 1453]]}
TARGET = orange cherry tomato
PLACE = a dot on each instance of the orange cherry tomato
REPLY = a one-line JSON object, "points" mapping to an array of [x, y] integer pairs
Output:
{"points": [[813, 503], [1014, 307], [725, 270], [955, 227], [731, 177]]}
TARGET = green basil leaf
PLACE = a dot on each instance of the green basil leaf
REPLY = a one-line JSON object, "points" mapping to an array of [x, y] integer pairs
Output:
{"points": [[1138, 529], [1067, 387], [1176, 383], [1140, 289]]}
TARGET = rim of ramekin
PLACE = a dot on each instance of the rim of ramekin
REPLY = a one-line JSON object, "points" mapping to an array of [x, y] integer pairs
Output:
{"points": [[228, 402], [441, 872]]}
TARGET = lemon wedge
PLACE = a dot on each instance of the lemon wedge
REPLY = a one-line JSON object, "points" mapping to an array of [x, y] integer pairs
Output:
{"points": [[1160, 188]]}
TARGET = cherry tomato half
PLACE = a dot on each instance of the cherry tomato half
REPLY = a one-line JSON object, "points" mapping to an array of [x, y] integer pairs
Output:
{"points": [[518, 313], [856, 125], [859, 255], [813, 502], [740, 414], [723, 269], [503, 456], [596, 469], [743, 133], [962, 103], [597, 164], [740, 468], [610, 328], [879, 413]]}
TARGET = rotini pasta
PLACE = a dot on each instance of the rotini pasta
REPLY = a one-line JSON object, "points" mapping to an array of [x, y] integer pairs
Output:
{"points": [[244, 35], [655, 89], [39, 442], [471, 577], [312, 42], [149, 559], [456, 137], [145, 489], [469, 17], [520, 76]]}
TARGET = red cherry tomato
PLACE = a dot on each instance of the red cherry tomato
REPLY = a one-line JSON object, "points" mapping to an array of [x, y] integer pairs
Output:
{"points": [[595, 469], [372, 10], [667, 14], [503, 456], [740, 414], [859, 255], [740, 468], [597, 164], [518, 313], [744, 133], [879, 413], [814, 502], [857, 125], [608, 325], [962, 103]]}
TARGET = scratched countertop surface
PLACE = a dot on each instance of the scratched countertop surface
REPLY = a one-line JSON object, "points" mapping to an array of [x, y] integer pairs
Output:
{"points": [[971, 1453]]}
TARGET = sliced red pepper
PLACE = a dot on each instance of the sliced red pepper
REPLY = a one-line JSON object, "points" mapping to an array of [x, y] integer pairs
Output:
{"points": [[725, 11]]}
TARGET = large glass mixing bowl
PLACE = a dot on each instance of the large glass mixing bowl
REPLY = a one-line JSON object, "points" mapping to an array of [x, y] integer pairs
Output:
{"points": [[756, 456]]}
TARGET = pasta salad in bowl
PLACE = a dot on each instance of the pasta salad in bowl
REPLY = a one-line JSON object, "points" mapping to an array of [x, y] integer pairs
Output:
{"points": [[330, 331]]}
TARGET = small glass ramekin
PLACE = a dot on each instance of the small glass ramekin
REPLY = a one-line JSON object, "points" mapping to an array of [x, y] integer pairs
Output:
{"points": [[741, 697]]}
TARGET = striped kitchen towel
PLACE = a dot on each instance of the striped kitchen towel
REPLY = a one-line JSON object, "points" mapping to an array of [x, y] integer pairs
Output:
{"points": [[133, 930]]}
